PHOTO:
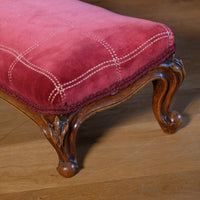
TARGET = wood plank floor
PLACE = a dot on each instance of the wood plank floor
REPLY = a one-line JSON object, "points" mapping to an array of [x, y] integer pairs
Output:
{"points": [[122, 152]]}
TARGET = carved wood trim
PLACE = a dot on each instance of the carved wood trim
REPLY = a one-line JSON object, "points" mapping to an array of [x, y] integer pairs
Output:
{"points": [[61, 130]]}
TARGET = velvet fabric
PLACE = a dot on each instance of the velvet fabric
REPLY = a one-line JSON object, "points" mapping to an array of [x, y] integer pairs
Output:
{"points": [[58, 56]]}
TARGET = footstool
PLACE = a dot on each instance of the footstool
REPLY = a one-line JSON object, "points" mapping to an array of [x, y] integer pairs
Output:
{"points": [[63, 61]]}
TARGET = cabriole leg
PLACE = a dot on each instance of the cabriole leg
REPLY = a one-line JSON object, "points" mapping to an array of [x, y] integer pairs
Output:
{"points": [[61, 131], [170, 78]]}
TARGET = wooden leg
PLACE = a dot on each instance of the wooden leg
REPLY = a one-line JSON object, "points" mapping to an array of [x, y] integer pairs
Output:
{"points": [[164, 88], [61, 131]]}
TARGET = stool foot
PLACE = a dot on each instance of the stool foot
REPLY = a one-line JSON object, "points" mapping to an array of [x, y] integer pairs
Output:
{"points": [[67, 169]]}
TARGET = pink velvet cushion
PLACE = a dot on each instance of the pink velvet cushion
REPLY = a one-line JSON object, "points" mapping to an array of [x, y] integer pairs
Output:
{"points": [[57, 56]]}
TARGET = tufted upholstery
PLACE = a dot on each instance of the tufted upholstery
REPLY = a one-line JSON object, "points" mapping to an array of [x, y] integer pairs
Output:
{"points": [[57, 56]]}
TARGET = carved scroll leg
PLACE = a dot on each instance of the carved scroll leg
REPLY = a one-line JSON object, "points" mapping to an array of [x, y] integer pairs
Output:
{"points": [[170, 78], [61, 132]]}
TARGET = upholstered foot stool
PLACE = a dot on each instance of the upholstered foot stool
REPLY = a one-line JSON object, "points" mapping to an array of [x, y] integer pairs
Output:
{"points": [[63, 61]]}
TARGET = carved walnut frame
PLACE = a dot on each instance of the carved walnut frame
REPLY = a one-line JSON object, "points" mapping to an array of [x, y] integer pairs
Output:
{"points": [[61, 130]]}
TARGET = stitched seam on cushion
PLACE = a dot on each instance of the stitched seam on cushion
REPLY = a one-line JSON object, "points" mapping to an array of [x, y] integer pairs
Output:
{"points": [[143, 44], [111, 52], [106, 46], [103, 63], [58, 91], [8, 49], [169, 32], [53, 94], [19, 57], [106, 66], [110, 61], [51, 77], [143, 49], [28, 50], [87, 72], [31, 66], [24, 62], [17, 60], [112, 64], [53, 91]]}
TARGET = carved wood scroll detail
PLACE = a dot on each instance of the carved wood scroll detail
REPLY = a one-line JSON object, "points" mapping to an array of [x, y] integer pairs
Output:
{"points": [[59, 129]]}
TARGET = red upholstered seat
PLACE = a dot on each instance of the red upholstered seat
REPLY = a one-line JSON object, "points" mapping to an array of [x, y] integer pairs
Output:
{"points": [[57, 56]]}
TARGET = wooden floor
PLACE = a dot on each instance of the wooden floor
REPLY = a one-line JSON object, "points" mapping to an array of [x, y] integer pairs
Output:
{"points": [[122, 152]]}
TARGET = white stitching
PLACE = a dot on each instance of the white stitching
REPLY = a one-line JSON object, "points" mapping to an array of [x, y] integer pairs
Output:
{"points": [[117, 67], [54, 96], [111, 52], [52, 92], [11, 50], [110, 65], [23, 62], [115, 60], [98, 70], [132, 52], [20, 56], [87, 72], [105, 44], [62, 94], [143, 49], [17, 59], [169, 32], [58, 91], [166, 29], [110, 61], [31, 66], [114, 63]]}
